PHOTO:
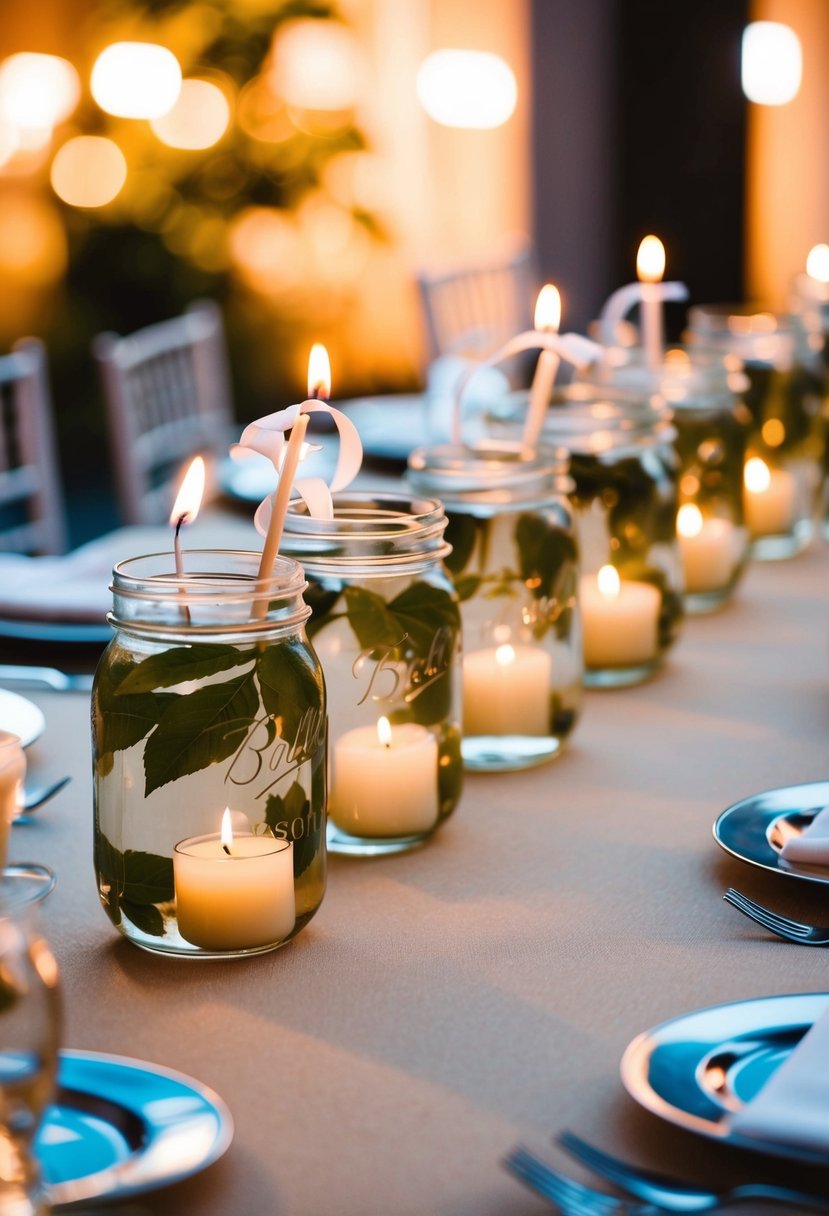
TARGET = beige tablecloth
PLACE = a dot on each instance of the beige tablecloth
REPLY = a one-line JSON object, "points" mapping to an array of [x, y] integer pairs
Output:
{"points": [[447, 1003]]}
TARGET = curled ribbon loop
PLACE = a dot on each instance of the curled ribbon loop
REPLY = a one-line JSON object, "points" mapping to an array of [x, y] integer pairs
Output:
{"points": [[266, 437]]}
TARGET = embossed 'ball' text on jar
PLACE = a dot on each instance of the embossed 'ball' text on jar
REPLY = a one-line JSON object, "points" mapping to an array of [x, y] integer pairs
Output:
{"points": [[625, 473], [209, 755], [386, 627], [514, 562]]}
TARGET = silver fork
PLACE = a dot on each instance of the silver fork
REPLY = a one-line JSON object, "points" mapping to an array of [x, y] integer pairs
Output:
{"points": [[575, 1199], [671, 1194], [783, 926]]}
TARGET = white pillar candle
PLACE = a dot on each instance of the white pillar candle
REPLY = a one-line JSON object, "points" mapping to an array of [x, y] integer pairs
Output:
{"points": [[619, 620], [506, 691], [12, 776], [707, 546], [234, 892], [385, 780], [770, 499]]}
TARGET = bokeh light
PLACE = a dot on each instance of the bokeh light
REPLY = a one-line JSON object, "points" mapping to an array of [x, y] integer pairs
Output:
{"points": [[198, 119], [267, 250], [772, 63], [136, 80], [817, 263], [315, 65], [37, 91], [468, 89], [88, 171], [33, 248]]}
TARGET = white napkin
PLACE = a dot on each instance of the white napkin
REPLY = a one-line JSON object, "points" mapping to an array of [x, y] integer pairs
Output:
{"points": [[75, 588], [811, 847], [793, 1105], [487, 388]]}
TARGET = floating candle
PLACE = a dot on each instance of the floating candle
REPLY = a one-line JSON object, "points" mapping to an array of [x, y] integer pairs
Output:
{"points": [[707, 546], [385, 780], [619, 620], [234, 892], [770, 499], [506, 691]]}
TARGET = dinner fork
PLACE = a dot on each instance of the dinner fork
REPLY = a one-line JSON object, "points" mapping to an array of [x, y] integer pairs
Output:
{"points": [[575, 1199], [671, 1194], [35, 796], [783, 926]]}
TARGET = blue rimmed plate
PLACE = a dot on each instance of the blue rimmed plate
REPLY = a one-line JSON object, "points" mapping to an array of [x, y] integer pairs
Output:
{"points": [[698, 1068], [756, 828], [120, 1127]]}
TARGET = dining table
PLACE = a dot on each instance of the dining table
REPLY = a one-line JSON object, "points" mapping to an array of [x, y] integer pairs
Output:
{"points": [[452, 1001]]}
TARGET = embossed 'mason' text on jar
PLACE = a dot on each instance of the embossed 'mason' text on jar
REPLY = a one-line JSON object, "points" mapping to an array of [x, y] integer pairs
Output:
{"points": [[386, 627], [514, 562], [209, 734]]}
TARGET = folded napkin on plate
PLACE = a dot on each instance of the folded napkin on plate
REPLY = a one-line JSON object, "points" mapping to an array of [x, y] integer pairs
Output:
{"points": [[793, 1105], [75, 588], [811, 846]]}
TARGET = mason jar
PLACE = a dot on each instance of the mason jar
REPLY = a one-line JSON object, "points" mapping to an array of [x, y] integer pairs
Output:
{"points": [[810, 308], [784, 468], [209, 750], [386, 627], [625, 474], [515, 568], [703, 391]]}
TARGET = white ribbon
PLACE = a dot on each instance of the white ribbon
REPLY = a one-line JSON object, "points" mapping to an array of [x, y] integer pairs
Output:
{"points": [[575, 348], [617, 306], [266, 437]]}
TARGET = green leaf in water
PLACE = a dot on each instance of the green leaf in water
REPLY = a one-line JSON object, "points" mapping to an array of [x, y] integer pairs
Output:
{"points": [[135, 882], [370, 618], [199, 729], [182, 663], [290, 818], [290, 686]]}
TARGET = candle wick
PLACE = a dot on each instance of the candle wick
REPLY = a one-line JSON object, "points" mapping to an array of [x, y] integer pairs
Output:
{"points": [[179, 522], [226, 849]]}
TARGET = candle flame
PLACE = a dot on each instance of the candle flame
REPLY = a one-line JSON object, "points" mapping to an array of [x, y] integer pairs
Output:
{"points": [[319, 372], [756, 475], [384, 731], [505, 655], [817, 263], [609, 582], [689, 520], [650, 260], [227, 830], [548, 308], [188, 499]]}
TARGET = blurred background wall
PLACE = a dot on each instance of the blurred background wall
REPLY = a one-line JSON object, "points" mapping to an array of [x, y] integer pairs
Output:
{"points": [[330, 186]]}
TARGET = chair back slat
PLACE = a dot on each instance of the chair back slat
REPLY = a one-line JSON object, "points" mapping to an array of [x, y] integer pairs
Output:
{"points": [[167, 394], [472, 309], [32, 516]]}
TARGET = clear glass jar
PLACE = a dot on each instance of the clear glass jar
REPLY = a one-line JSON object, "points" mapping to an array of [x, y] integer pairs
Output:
{"points": [[625, 473], [702, 389], [810, 306], [386, 626], [209, 698], [514, 562], [29, 1039], [784, 470]]}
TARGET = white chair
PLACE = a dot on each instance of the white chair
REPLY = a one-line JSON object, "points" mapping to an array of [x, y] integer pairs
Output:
{"points": [[32, 519], [167, 395], [471, 309]]}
